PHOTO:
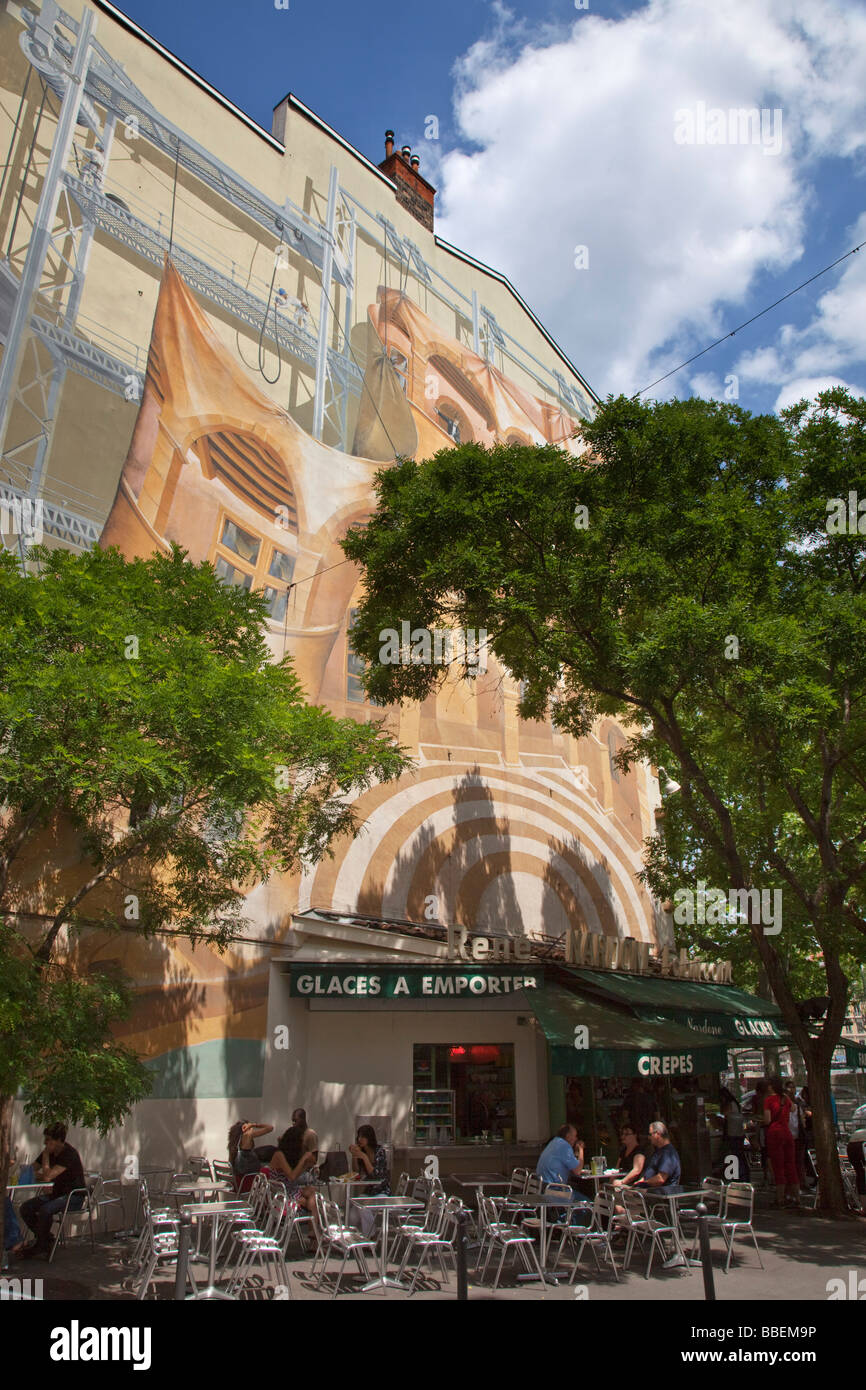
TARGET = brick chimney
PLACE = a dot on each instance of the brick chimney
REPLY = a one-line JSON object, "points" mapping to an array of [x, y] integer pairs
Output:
{"points": [[413, 191]]}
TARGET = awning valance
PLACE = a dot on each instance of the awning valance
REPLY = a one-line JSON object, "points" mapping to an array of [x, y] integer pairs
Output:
{"points": [[588, 1037], [717, 1012]]}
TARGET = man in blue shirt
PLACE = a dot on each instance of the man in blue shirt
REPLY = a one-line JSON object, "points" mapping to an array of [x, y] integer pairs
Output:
{"points": [[662, 1168], [562, 1159]]}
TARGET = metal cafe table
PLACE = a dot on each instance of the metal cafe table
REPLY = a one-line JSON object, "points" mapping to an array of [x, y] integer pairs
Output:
{"points": [[338, 1184], [386, 1205], [673, 1196], [544, 1202], [212, 1211]]}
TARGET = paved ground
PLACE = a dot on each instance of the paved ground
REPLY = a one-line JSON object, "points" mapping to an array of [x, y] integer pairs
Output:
{"points": [[800, 1251]]}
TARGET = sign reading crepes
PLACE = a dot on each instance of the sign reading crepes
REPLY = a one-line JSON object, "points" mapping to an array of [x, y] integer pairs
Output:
{"points": [[349, 983]]}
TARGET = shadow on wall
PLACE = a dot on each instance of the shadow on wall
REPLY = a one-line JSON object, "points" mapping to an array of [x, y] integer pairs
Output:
{"points": [[440, 876], [152, 1133]]}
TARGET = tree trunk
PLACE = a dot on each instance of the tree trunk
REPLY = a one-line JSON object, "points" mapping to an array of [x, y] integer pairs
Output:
{"points": [[6, 1104], [831, 1193]]}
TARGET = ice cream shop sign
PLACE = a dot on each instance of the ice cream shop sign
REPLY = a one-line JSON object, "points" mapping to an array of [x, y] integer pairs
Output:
{"points": [[355, 983]]}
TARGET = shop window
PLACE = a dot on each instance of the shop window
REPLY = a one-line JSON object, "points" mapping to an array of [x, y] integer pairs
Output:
{"points": [[247, 560], [464, 1091]]}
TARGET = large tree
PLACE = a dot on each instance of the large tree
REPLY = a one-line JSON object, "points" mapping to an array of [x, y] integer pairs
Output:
{"points": [[154, 765], [688, 575]]}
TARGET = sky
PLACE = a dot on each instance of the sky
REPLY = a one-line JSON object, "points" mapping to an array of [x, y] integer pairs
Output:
{"points": [[648, 176]]}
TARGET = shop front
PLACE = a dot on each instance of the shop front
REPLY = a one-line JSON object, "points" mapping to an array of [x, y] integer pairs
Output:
{"points": [[446, 1062], [472, 1055], [638, 1048]]}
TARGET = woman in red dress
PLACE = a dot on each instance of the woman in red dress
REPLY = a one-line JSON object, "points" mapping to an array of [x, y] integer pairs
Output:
{"points": [[781, 1149]]}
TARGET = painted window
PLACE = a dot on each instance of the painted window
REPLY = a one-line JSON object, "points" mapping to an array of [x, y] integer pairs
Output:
{"points": [[354, 665], [252, 563]]}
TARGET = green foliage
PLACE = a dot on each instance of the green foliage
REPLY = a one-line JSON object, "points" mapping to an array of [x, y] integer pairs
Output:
{"points": [[55, 1041], [704, 523], [148, 737], [139, 706]]}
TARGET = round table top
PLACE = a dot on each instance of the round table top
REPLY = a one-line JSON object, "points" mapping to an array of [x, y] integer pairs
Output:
{"points": [[553, 1199], [385, 1200], [213, 1208], [206, 1185]]}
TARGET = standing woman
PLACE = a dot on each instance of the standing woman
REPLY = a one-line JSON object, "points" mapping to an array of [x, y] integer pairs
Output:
{"points": [[733, 1136], [780, 1144]]}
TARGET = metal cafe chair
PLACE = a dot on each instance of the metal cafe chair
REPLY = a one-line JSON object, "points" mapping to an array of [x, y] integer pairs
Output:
{"points": [[533, 1222], [263, 1251], [438, 1243], [716, 1195], [739, 1212], [159, 1220], [597, 1235], [108, 1193], [200, 1166], [339, 1239], [643, 1227], [82, 1210], [161, 1247], [500, 1235], [429, 1221]]}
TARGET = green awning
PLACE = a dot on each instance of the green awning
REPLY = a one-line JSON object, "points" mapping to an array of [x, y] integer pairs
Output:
{"points": [[615, 1042], [715, 1011], [855, 1053]]}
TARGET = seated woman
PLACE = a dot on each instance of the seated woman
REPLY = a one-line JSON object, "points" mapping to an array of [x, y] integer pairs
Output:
{"points": [[372, 1164], [631, 1158], [242, 1156], [289, 1162]]}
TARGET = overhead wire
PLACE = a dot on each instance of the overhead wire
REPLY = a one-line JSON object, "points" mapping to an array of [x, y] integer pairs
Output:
{"points": [[741, 326]]}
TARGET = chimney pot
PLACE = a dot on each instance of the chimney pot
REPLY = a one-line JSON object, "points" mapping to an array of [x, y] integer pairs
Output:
{"points": [[389, 143], [416, 161], [406, 152]]}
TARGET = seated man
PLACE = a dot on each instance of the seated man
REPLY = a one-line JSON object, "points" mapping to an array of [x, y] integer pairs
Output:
{"points": [[60, 1165], [562, 1159], [662, 1168]]}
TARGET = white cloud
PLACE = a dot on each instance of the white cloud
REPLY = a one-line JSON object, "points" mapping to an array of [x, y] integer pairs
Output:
{"points": [[833, 340], [807, 388], [576, 146]]}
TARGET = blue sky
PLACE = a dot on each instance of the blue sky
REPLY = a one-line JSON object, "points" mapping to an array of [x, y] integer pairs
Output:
{"points": [[607, 128]]}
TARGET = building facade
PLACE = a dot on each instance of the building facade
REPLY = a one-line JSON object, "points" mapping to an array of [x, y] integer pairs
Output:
{"points": [[214, 335]]}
